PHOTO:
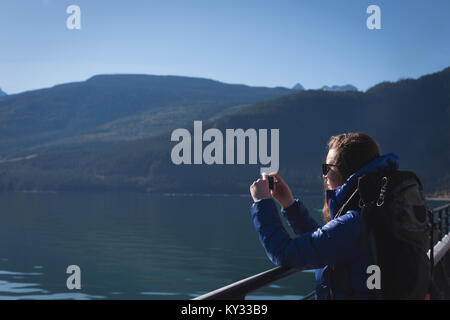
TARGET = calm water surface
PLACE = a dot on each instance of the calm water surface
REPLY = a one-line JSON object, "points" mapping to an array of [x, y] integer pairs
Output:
{"points": [[133, 246]]}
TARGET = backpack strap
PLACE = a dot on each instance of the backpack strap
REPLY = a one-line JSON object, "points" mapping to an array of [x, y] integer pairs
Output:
{"points": [[372, 191], [341, 275], [349, 204]]}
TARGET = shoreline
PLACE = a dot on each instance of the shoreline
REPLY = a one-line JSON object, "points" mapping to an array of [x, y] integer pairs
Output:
{"points": [[443, 195], [438, 198], [431, 197]]}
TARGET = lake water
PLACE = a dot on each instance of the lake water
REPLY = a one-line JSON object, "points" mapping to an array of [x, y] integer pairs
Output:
{"points": [[133, 246]]}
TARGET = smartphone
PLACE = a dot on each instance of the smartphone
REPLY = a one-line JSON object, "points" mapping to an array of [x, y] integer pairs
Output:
{"points": [[271, 182]]}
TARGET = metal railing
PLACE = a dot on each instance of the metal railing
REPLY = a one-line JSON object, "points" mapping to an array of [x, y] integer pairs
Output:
{"points": [[439, 246], [438, 218], [239, 289]]}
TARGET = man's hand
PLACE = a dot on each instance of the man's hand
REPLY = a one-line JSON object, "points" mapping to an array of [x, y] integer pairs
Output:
{"points": [[281, 191], [260, 189]]}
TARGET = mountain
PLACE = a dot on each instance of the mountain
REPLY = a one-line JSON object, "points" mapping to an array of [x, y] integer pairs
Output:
{"points": [[2, 93], [408, 117], [347, 87], [113, 108], [298, 87]]}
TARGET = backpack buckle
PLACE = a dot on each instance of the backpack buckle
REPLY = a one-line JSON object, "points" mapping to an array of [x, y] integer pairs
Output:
{"points": [[380, 200], [363, 204]]}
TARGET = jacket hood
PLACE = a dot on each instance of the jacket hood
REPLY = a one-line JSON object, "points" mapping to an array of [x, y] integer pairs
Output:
{"points": [[338, 196]]}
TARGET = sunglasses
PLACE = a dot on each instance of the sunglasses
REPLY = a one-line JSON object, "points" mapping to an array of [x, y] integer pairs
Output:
{"points": [[326, 168]]}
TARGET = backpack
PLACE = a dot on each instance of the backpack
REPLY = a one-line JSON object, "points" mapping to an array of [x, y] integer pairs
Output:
{"points": [[393, 215]]}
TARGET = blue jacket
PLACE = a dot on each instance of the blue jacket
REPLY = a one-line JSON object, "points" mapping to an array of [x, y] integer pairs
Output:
{"points": [[333, 245]]}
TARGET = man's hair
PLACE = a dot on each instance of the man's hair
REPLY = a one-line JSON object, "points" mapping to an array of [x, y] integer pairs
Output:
{"points": [[353, 151]]}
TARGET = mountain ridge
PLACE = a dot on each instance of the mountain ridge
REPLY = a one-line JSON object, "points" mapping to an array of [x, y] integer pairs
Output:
{"points": [[111, 108], [408, 117]]}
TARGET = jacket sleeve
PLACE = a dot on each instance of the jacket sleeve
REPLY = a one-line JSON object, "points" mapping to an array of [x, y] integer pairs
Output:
{"points": [[334, 243], [298, 218]]}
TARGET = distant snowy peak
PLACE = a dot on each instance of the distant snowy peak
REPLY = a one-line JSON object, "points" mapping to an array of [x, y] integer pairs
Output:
{"points": [[2, 93], [347, 87]]}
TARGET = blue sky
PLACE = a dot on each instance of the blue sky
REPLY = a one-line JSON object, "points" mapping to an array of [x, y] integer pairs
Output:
{"points": [[258, 43]]}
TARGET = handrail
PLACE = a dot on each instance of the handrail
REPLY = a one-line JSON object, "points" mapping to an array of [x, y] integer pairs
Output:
{"points": [[240, 289], [440, 249], [442, 246], [437, 209]]}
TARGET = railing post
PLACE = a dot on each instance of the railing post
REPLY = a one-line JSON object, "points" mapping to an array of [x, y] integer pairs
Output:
{"points": [[441, 230], [446, 220], [431, 217]]}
